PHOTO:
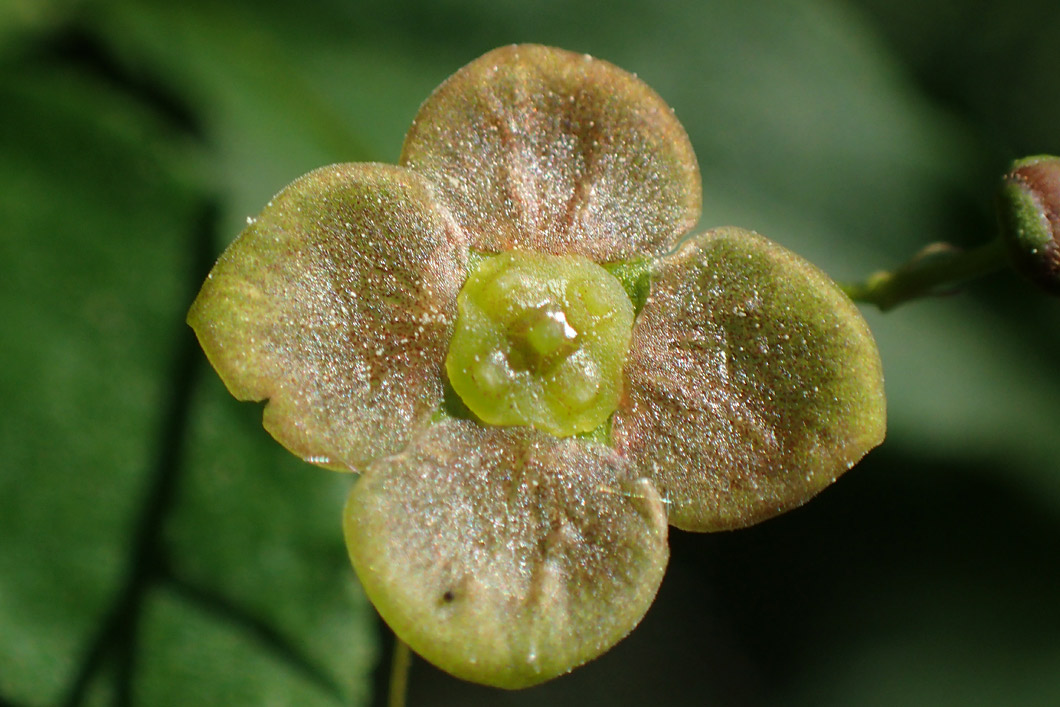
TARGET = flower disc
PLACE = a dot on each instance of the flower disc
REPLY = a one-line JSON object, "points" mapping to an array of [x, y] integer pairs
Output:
{"points": [[541, 340]]}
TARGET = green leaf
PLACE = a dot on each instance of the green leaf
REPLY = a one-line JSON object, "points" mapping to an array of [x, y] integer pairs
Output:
{"points": [[96, 254], [118, 550], [197, 659], [274, 97], [259, 562]]}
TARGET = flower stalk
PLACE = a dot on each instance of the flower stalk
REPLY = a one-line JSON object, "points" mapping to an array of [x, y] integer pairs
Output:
{"points": [[1028, 208], [400, 662], [938, 269]]}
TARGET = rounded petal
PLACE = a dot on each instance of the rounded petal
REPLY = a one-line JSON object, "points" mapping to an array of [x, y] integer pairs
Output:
{"points": [[535, 148], [506, 556], [336, 304], [752, 382]]}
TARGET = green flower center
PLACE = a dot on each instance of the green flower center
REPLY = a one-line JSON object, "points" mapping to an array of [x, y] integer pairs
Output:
{"points": [[540, 340]]}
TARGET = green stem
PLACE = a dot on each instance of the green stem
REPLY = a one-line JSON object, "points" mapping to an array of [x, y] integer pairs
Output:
{"points": [[938, 269], [399, 673]]}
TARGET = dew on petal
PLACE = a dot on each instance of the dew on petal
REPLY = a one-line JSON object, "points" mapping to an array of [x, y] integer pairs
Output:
{"points": [[336, 305], [505, 555], [536, 148], [752, 382]]}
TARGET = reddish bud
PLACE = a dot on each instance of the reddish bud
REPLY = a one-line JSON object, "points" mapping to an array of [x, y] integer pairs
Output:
{"points": [[1030, 218]]}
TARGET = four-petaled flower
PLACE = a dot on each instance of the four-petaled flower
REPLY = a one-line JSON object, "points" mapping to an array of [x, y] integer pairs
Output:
{"points": [[530, 370]]}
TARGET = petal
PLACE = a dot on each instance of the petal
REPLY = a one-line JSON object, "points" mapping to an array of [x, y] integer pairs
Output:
{"points": [[542, 149], [336, 304], [752, 382], [506, 556]]}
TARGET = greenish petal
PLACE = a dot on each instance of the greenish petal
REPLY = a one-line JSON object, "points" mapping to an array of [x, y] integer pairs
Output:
{"points": [[535, 148], [752, 382], [506, 556], [336, 305]]}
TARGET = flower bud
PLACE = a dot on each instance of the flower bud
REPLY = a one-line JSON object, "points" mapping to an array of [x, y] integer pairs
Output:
{"points": [[1029, 209]]}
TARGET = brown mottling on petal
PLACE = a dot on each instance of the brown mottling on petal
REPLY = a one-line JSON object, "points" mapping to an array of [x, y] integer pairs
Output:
{"points": [[504, 555], [336, 305], [752, 382], [535, 148]]}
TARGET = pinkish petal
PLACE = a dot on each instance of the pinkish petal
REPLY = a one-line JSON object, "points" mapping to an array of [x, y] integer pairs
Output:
{"points": [[504, 555], [752, 382], [336, 305], [535, 148]]}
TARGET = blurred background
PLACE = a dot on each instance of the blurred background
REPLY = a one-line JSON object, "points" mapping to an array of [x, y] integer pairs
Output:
{"points": [[158, 548]]}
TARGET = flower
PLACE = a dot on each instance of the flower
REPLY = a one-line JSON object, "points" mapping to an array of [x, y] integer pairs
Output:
{"points": [[532, 373]]}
